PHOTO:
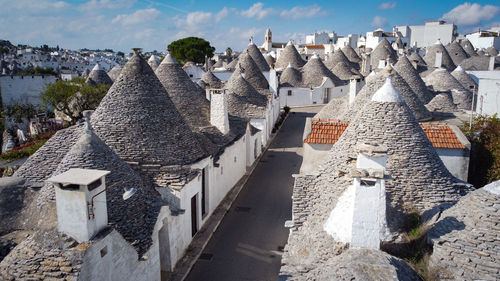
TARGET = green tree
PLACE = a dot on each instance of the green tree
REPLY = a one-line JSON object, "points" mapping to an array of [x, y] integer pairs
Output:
{"points": [[120, 54], [191, 49], [484, 136], [73, 97]]}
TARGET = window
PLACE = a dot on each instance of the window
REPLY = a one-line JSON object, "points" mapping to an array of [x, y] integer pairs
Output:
{"points": [[234, 159], [289, 92], [221, 170], [191, 75]]}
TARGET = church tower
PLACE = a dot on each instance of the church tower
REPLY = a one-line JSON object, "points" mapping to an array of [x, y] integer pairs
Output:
{"points": [[268, 42]]}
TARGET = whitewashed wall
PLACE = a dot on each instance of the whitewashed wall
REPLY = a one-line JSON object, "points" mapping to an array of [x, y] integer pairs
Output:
{"points": [[24, 89]]}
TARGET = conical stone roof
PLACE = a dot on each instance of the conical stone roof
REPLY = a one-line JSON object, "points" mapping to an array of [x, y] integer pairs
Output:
{"points": [[346, 72], [416, 57], [456, 52], [468, 48], [98, 76], [252, 72], [336, 58], [420, 181], [351, 54], [243, 99], [211, 81], [289, 55], [270, 60], [189, 99], [115, 72], [411, 76], [442, 102], [139, 121], [290, 77], [232, 64], [314, 71], [334, 109], [465, 239], [430, 56], [90, 152], [154, 62], [383, 51], [257, 57], [492, 51], [479, 63], [464, 78], [364, 264], [441, 80], [374, 83]]}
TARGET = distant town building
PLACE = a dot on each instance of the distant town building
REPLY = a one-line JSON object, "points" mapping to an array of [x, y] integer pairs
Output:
{"points": [[485, 39], [428, 34]]}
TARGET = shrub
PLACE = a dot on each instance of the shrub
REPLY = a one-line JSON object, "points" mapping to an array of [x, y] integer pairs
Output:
{"points": [[484, 136]]}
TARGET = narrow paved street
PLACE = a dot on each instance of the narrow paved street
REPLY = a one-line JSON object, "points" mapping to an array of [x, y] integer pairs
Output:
{"points": [[248, 243]]}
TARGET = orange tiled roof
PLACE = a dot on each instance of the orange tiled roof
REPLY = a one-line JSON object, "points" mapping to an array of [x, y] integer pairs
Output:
{"points": [[315, 46], [325, 131], [328, 131], [442, 137]]}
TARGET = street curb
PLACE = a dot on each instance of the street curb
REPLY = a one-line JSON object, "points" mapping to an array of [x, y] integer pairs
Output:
{"points": [[235, 191]]}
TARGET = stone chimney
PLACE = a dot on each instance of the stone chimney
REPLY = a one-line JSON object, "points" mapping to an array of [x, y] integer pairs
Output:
{"points": [[218, 110], [369, 221], [81, 202], [439, 60]]}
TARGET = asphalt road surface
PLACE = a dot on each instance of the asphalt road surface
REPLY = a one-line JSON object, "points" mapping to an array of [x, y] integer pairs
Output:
{"points": [[249, 241]]}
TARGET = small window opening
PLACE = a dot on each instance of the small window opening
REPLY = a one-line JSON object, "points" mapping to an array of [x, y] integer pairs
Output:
{"points": [[289, 92], [69, 186], [368, 182], [104, 251], [95, 184]]}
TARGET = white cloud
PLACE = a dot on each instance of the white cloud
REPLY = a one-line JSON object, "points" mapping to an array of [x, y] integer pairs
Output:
{"points": [[244, 34], [387, 5], [379, 21], [35, 5], [106, 4], [196, 21], [299, 12], [137, 17], [471, 14], [222, 14], [257, 11]]}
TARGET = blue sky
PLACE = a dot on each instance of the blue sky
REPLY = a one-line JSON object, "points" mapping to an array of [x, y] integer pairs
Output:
{"points": [[153, 24]]}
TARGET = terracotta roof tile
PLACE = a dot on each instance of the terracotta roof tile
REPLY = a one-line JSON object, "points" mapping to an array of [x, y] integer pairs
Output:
{"points": [[328, 131], [315, 46], [442, 137], [325, 131]]}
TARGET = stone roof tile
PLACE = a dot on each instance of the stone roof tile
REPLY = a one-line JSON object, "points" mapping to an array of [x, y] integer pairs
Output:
{"points": [[140, 122]]}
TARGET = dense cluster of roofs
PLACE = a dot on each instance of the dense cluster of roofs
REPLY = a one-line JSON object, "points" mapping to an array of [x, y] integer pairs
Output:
{"points": [[154, 122]]}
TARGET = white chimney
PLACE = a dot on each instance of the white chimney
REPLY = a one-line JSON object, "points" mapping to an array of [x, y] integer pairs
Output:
{"points": [[382, 63], [439, 59], [491, 66], [369, 222], [354, 86], [367, 63], [218, 110], [81, 202]]}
